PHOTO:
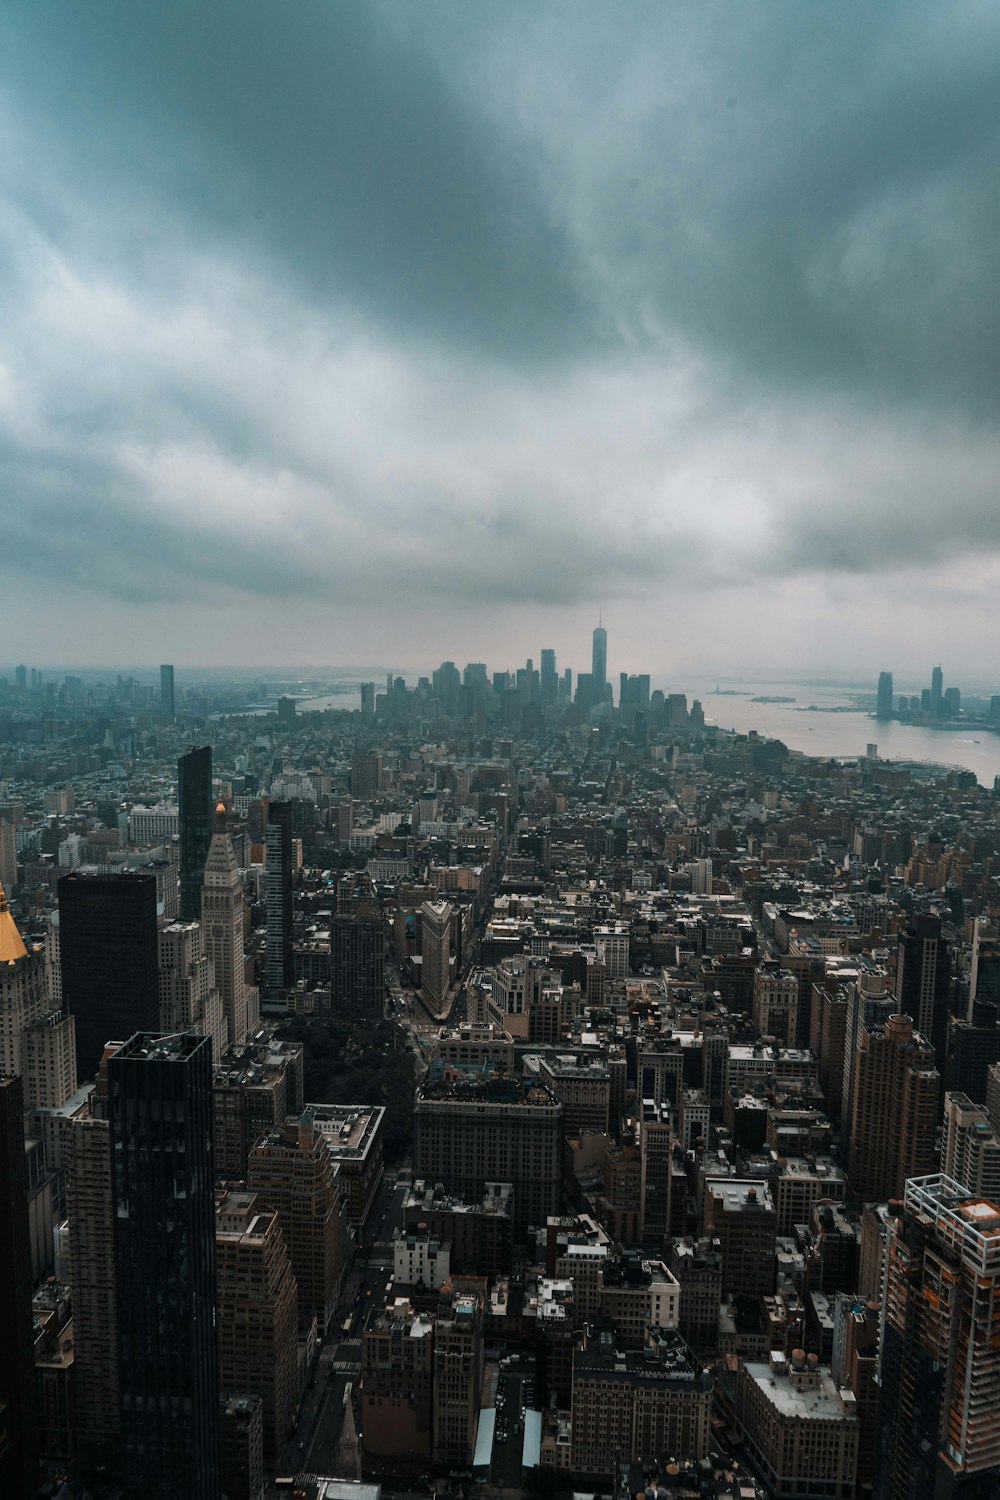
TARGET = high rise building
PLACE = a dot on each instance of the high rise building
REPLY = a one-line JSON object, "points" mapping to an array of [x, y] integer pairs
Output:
{"points": [[91, 1214], [8, 855], [368, 700], [222, 925], [164, 1233], [971, 1153], [189, 1000], [18, 1462], [895, 1110], [36, 1043], [291, 1171], [167, 692], [937, 693], [397, 1366], [280, 966], [923, 982], [599, 667], [435, 952], [469, 1132], [939, 1364], [257, 1313], [109, 959], [357, 960], [548, 678], [194, 824], [458, 1377], [883, 697]]}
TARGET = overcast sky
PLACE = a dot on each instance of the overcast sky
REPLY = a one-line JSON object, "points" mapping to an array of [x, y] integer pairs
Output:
{"points": [[374, 333]]}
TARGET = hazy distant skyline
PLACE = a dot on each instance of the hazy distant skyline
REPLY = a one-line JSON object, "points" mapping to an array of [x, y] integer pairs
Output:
{"points": [[395, 332]]}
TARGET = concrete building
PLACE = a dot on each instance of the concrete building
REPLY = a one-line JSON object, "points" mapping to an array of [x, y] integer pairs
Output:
{"points": [[257, 1313], [353, 1136], [741, 1215], [435, 952], [470, 1132], [640, 1406], [291, 1171], [895, 1110], [222, 912], [189, 1000], [397, 1369], [776, 1003], [939, 1366], [480, 1234], [800, 1430], [971, 1153], [254, 1090], [420, 1259], [458, 1377]]}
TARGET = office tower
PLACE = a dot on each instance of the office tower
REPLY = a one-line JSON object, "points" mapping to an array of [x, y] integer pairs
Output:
{"points": [[367, 774], [108, 950], [854, 1365], [90, 1210], [458, 1377], [397, 1378], [469, 1132], [971, 1153], [939, 1365], [21, 679], [973, 1046], [776, 1003], [743, 1218], [189, 1000], [291, 1171], [357, 960], [194, 824], [280, 968], [257, 1313], [18, 1465], [8, 855], [799, 1429], [984, 974], [628, 1407], [548, 677], [923, 982], [895, 1110], [241, 1438], [937, 693], [368, 700], [435, 952], [167, 692], [164, 1233], [255, 1088], [883, 697], [599, 667], [222, 925]]}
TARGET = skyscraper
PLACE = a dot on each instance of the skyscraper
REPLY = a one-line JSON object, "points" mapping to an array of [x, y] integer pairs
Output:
{"points": [[549, 678], [357, 960], [194, 823], [18, 1464], [164, 1232], [109, 957], [939, 1364], [895, 1110], [599, 668], [278, 890], [937, 692], [222, 924], [923, 982], [167, 692], [883, 698]]}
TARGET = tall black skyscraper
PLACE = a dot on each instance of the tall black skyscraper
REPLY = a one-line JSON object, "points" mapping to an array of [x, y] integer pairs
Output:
{"points": [[195, 817], [161, 1137], [18, 1465], [167, 692], [923, 982], [883, 698], [280, 969], [108, 948]]}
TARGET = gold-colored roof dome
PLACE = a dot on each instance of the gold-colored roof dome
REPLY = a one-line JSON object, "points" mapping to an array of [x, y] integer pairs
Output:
{"points": [[11, 946], [220, 806]]}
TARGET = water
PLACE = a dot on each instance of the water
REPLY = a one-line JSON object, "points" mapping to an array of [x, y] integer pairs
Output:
{"points": [[843, 734]]}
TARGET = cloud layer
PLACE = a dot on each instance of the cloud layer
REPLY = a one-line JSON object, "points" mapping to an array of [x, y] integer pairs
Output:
{"points": [[482, 316]]}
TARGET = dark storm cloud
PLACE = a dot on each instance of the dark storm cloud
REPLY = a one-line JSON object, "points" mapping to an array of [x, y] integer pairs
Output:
{"points": [[534, 303]]}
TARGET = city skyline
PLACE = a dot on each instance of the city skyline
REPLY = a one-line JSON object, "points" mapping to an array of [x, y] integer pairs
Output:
{"points": [[652, 326]]}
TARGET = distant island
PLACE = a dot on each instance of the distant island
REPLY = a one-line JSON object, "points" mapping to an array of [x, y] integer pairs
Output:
{"points": [[775, 699]]}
